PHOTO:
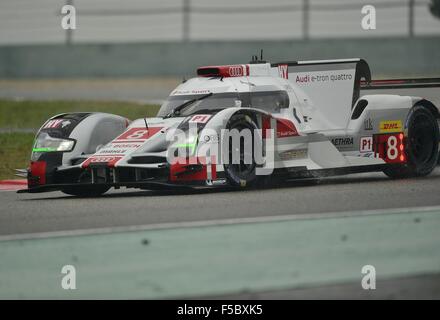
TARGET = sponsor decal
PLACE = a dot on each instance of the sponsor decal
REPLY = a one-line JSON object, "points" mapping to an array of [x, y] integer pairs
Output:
{"points": [[119, 148], [108, 160], [200, 118], [286, 128], [194, 91], [307, 78], [366, 144], [200, 91], [390, 126], [283, 71], [342, 141], [302, 79], [293, 154], [368, 124]]}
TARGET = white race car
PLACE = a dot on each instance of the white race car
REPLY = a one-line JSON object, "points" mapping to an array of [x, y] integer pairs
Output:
{"points": [[305, 119]]}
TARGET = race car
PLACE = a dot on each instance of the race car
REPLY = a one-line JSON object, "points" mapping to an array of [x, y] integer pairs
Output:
{"points": [[243, 125]]}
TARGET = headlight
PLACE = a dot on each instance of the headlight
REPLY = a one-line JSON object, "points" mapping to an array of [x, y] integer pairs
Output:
{"points": [[46, 143]]}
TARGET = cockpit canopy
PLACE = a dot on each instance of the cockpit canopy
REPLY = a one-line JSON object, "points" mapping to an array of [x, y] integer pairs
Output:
{"points": [[269, 101]]}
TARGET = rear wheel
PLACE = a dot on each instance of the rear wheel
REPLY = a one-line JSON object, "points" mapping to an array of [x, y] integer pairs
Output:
{"points": [[422, 146]]}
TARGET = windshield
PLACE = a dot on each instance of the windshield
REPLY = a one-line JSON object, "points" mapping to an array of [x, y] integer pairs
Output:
{"points": [[211, 104]]}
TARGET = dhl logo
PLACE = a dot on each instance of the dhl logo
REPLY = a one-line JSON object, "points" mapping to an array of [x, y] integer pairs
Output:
{"points": [[390, 126]]}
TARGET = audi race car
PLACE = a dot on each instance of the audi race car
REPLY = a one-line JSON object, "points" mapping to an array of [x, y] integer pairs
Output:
{"points": [[306, 119]]}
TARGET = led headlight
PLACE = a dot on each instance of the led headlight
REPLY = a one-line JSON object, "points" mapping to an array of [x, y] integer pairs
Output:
{"points": [[46, 143]]}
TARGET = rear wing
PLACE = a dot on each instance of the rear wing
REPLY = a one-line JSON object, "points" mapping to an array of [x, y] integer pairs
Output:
{"points": [[401, 83]]}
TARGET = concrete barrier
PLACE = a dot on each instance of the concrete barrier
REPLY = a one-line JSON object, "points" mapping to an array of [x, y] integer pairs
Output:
{"points": [[387, 56]]}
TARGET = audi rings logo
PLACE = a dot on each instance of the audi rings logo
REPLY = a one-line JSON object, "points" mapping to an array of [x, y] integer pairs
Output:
{"points": [[102, 159], [236, 71]]}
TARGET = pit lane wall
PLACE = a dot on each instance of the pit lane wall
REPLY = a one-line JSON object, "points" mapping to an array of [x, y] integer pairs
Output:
{"points": [[386, 56]]}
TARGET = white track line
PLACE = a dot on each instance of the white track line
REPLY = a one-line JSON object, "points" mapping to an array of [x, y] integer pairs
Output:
{"points": [[219, 222]]}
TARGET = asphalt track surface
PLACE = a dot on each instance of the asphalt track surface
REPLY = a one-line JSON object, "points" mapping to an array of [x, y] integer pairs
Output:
{"points": [[54, 211]]}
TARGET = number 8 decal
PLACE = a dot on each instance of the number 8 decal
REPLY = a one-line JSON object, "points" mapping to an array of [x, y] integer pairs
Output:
{"points": [[139, 134], [389, 147], [392, 151]]}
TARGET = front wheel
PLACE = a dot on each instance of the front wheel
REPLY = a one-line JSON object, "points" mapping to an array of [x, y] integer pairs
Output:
{"points": [[241, 167], [422, 147]]}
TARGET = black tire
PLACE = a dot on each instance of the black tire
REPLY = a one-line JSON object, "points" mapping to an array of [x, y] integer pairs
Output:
{"points": [[422, 145], [242, 174], [85, 191]]}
